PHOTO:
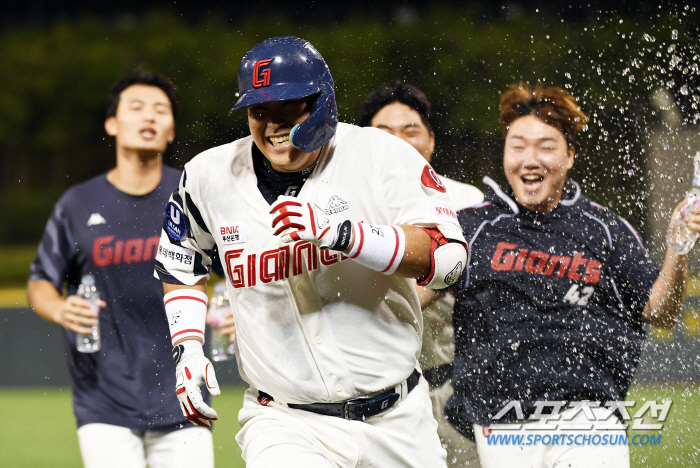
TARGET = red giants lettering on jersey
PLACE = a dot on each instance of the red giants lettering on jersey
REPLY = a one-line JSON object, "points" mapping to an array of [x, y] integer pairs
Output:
{"points": [[261, 77], [509, 257], [107, 251], [276, 264]]}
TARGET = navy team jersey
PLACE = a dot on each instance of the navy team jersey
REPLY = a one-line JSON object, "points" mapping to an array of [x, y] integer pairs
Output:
{"points": [[97, 229], [549, 308]]}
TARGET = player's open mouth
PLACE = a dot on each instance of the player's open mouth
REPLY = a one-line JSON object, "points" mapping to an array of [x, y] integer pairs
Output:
{"points": [[147, 133], [280, 140], [531, 179]]}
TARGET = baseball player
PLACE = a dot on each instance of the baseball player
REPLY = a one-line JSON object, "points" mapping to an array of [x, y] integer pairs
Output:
{"points": [[551, 308], [320, 238], [404, 111], [109, 227]]}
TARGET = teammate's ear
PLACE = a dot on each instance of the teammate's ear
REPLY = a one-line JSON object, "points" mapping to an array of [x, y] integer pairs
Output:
{"points": [[111, 126], [570, 156], [171, 136], [432, 146]]}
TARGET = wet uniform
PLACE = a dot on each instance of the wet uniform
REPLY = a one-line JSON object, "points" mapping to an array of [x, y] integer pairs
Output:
{"points": [[549, 307], [314, 326]]}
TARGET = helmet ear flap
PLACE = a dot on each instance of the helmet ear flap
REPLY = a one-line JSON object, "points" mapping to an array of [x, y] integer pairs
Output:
{"points": [[320, 126]]}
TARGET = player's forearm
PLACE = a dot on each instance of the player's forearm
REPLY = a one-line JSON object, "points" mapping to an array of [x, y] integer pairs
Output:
{"points": [[416, 257], [194, 330], [44, 299], [667, 296]]}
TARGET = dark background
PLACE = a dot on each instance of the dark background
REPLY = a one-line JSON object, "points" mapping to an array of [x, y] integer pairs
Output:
{"points": [[60, 58]]}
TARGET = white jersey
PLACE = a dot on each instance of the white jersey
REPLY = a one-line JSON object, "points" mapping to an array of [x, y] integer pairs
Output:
{"points": [[311, 326], [438, 334]]}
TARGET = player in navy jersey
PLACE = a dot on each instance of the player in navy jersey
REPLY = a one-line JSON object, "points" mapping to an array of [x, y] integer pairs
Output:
{"points": [[109, 227], [552, 305]]}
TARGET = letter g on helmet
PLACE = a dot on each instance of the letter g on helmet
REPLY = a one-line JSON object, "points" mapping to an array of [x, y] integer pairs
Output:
{"points": [[287, 67]]}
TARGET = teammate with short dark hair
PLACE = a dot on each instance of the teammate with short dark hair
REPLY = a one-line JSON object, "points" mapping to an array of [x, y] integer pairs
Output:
{"points": [[321, 227], [109, 227], [404, 111], [552, 304]]}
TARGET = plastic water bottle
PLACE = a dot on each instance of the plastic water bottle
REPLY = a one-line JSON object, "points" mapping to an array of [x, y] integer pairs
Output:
{"points": [[219, 308], [89, 343], [679, 237]]}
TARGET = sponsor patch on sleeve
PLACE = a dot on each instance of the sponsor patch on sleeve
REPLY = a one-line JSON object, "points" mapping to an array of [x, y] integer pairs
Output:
{"points": [[176, 257], [175, 225], [231, 234], [430, 179], [443, 211]]}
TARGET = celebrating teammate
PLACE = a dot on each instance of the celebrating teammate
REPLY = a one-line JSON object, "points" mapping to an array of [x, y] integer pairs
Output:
{"points": [[404, 111], [321, 226], [109, 227], [552, 303]]}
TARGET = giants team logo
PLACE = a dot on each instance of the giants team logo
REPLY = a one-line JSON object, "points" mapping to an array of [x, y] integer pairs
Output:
{"points": [[276, 264], [509, 257], [430, 179], [261, 77]]}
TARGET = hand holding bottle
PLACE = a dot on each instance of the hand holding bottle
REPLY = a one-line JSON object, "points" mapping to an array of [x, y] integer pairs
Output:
{"points": [[75, 314], [684, 227]]}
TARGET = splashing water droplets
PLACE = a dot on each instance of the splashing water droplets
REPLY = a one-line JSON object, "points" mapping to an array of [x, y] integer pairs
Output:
{"points": [[674, 34]]}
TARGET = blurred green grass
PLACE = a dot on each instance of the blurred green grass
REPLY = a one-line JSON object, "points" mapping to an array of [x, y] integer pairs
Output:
{"points": [[15, 261], [39, 429]]}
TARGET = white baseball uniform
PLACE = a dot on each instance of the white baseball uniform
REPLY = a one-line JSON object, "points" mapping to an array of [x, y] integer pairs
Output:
{"points": [[439, 346], [314, 326]]}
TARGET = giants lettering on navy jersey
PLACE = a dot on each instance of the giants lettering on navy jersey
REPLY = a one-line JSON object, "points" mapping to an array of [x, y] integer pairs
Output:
{"points": [[510, 257], [107, 251]]}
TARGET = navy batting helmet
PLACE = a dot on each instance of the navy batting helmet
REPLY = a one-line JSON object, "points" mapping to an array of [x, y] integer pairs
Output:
{"points": [[284, 68]]}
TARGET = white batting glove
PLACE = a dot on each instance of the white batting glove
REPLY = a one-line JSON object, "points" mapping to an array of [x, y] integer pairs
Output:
{"points": [[297, 219], [193, 369]]}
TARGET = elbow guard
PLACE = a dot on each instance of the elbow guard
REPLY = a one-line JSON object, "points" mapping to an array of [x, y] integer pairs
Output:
{"points": [[447, 261]]}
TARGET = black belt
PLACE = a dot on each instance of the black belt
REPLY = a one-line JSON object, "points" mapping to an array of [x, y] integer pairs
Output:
{"points": [[436, 376], [357, 409]]}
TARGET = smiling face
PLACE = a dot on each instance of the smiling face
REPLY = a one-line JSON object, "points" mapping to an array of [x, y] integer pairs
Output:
{"points": [[270, 125], [404, 122], [144, 121], [536, 159]]}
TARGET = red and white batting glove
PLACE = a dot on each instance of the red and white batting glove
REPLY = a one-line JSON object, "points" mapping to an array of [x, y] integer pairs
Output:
{"points": [[193, 370], [297, 219]]}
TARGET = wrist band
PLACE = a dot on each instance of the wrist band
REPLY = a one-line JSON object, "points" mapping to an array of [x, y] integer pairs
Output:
{"points": [[380, 248], [187, 311], [344, 237]]}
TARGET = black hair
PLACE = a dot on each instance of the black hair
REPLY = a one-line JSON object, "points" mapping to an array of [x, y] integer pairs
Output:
{"points": [[396, 92], [142, 77]]}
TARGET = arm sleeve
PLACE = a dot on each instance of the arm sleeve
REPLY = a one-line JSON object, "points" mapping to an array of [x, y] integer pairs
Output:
{"points": [[56, 250], [414, 193], [633, 269], [186, 244]]}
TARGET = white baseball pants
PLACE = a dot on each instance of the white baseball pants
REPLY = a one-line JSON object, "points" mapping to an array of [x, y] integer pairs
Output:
{"points": [[405, 436], [109, 446]]}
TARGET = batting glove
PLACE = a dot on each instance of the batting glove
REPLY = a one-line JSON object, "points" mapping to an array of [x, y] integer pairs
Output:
{"points": [[193, 370], [301, 220]]}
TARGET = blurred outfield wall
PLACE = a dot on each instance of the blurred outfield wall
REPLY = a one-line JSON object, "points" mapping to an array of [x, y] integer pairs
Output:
{"points": [[55, 80]]}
